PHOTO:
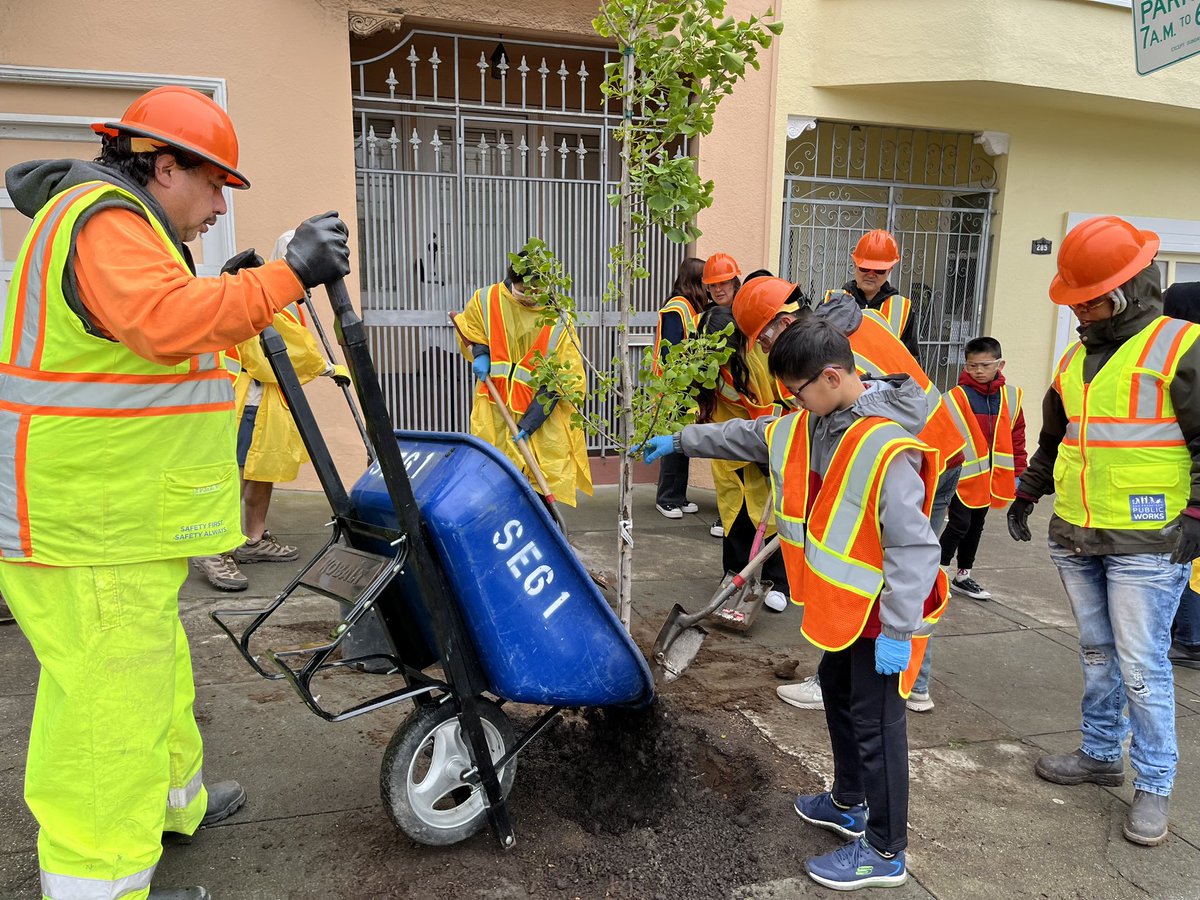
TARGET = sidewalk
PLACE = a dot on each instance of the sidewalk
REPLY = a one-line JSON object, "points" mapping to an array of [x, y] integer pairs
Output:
{"points": [[1006, 683]]}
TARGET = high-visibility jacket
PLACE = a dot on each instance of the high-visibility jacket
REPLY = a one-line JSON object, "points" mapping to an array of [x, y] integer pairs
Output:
{"points": [[742, 484], [687, 313], [878, 351], [988, 476], [276, 449], [895, 310], [512, 331], [1124, 463], [109, 458], [832, 540], [513, 377]]}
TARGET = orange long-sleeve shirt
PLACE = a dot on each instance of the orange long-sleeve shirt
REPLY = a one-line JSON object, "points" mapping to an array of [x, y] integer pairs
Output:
{"points": [[140, 295]]}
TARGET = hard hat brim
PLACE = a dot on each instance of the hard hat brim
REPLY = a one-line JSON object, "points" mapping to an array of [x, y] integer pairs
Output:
{"points": [[236, 179], [874, 263], [1067, 295]]}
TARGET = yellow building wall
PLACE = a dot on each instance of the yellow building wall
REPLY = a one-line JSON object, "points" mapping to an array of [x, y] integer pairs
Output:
{"points": [[1086, 133]]}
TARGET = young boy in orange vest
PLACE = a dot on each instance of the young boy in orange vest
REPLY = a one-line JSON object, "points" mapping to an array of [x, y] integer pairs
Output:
{"points": [[852, 487], [988, 413]]}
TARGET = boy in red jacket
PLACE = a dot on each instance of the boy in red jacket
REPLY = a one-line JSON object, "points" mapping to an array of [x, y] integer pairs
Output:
{"points": [[990, 416]]}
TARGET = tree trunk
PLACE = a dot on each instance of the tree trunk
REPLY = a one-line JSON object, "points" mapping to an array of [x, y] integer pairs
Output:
{"points": [[625, 298]]}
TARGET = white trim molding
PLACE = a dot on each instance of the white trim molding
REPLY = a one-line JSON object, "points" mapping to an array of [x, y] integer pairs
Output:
{"points": [[994, 143], [797, 125]]}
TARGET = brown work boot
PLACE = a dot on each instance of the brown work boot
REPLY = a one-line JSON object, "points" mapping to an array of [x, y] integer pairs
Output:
{"points": [[1146, 822], [1077, 767], [265, 549], [221, 572]]}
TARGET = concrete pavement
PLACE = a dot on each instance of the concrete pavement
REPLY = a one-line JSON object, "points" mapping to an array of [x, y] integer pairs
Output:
{"points": [[1006, 683]]}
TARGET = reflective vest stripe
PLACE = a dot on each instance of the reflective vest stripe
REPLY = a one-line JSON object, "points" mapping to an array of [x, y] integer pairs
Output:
{"points": [[1156, 433], [95, 397], [861, 578], [896, 310], [181, 797], [1063, 363], [781, 444], [1146, 393], [69, 887], [682, 307], [30, 317]]}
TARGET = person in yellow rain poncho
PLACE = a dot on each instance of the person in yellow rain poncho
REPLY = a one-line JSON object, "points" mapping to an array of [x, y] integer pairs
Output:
{"points": [[269, 448], [744, 390], [501, 332]]}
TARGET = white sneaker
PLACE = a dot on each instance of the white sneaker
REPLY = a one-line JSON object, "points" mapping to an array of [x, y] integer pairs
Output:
{"points": [[670, 512], [716, 529], [690, 507], [804, 694], [775, 601], [919, 702]]}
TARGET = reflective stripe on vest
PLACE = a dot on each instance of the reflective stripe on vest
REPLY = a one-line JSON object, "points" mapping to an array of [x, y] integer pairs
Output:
{"points": [[68, 401], [513, 380], [726, 391], [180, 798], [895, 311], [682, 307], [988, 477], [835, 565], [1124, 462], [69, 887]]}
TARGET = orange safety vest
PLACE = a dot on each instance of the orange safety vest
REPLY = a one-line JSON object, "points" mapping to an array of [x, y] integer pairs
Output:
{"points": [[682, 307], [989, 475], [832, 546], [513, 380], [895, 310], [878, 351], [728, 392]]}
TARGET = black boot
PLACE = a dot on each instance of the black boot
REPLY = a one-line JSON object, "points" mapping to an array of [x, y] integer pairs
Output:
{"points": [[1146, 821], [1077, 767], [1183, 655]]}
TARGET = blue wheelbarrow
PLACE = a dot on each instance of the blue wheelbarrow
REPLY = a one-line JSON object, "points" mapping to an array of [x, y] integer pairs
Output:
{"points": [[448, 571]]}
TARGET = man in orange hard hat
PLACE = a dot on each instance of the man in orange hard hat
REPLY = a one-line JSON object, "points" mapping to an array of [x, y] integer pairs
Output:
{"points": [[875, 255], [722, 278], [116, 401], [1120, 450]]}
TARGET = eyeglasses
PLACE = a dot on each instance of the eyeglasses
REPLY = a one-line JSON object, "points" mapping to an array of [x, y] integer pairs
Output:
{"points": [[983, 366], [771, 330], [863, 271], [1091, 304], [800, 390]]}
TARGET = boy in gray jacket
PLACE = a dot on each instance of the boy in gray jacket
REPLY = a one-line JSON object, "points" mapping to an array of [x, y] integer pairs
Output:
{"points": [[869, 524]]}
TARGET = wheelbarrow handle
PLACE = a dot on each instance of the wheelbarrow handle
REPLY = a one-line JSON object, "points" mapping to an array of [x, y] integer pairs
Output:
{"points": [[362, 428], [738, 582], [521, 443]]}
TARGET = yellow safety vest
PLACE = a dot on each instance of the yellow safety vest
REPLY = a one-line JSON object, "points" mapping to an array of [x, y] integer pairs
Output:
{"points": [[1124, 462], [107, 457]]}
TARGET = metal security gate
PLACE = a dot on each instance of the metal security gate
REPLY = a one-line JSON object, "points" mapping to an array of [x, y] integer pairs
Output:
{"points": [[932, 190], [466, 146]]}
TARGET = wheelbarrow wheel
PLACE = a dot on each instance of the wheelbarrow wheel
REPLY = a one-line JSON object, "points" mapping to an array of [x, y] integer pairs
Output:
{"points": [[422, 781]]}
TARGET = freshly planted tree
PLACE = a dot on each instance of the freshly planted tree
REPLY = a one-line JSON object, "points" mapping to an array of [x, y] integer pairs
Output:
{"points": [[679, 59]]}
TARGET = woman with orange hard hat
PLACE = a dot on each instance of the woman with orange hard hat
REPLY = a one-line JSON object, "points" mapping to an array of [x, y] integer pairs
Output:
{"points": [[722, 278]]}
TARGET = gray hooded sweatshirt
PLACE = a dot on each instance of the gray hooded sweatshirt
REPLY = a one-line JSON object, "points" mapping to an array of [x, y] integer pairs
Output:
{"points": [[911, 552]]}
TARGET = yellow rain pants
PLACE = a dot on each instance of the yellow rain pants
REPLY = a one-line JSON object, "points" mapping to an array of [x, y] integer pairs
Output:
{"points": [[114, 751]]}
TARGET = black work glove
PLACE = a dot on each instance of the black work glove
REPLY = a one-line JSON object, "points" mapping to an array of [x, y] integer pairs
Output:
{"points": [[1018, 519], [247, 259], [1188, 547], [318, 253]]}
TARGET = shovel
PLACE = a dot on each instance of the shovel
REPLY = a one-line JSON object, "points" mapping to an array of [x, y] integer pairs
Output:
{"points": [[523, 445], [681, 636], [740, 613]]}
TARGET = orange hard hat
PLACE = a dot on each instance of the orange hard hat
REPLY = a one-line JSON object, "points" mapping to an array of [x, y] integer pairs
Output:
{"points": [[720, 267], [180, 117], [876, 250], [758, 301], [1097, 255]]}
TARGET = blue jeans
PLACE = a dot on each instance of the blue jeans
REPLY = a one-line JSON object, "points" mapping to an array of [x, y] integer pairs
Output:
{"points": [[1123, 605], [1187, 620], [946, 487]]}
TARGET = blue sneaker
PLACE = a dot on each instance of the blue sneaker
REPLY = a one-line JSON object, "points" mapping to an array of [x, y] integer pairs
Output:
{"points": [[857, 865], [819, 810]]}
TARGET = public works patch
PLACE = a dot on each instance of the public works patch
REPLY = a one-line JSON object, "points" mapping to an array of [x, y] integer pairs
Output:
{"points": [[1148, 507]]}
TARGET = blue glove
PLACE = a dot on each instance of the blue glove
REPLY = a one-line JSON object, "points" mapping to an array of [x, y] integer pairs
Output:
{"points": [[482, 366], [521, 435], [891, 655], [657, 447]]}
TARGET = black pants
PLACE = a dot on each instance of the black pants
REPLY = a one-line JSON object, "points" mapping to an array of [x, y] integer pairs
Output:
{"points": [[962, 534], [869, 734], [672, 480], [735, 551]]}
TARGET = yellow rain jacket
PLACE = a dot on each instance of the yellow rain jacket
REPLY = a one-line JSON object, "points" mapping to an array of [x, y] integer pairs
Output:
{"points": [[753, 489], [560, 449], [276, 450]]}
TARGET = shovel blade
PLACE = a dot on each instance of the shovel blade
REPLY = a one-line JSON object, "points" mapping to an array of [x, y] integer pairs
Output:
{"points": [[675, 647]]}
